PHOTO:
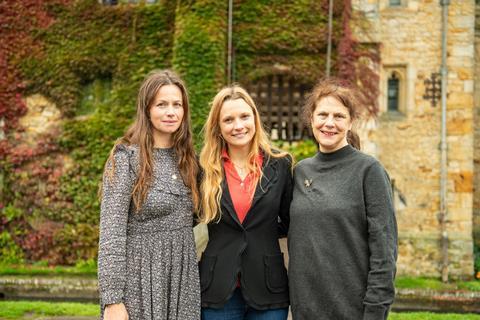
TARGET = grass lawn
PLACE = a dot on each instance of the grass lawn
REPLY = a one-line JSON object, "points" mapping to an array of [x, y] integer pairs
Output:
{"points": [[15, 310], [435, 284], [432, 316], [81, 269]]}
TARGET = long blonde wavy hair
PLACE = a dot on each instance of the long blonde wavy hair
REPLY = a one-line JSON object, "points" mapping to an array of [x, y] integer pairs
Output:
{"points": [[211, 154], [141, 134]]}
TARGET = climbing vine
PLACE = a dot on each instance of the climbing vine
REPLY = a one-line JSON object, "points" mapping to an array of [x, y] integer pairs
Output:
{"points": [[292, 38]]}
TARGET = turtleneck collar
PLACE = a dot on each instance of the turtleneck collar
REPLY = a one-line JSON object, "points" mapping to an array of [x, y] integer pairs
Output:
{"points": [[336, 155]]}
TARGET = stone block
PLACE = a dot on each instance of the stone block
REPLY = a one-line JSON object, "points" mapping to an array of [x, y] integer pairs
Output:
{"points": [[463, 227], [41, 117], [460, 221], [413, 5], [460, 153], [418, 256], [462, 200], [459, 98], [459, 126], [461, 73], [476, 227], [455, 61], [421, 256], [463, 181], [468, 86]]}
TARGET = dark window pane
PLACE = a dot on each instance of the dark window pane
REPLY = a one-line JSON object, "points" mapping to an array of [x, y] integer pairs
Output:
{"points": [[393, 93], [395, 2]]}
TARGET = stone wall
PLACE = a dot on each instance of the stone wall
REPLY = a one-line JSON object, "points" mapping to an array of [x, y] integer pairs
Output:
{"points": [[476, 139], [42, 117], [407, 142]]}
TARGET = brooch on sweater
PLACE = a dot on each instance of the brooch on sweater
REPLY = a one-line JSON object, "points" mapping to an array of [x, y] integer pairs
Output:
{"points": [[308, 182]]}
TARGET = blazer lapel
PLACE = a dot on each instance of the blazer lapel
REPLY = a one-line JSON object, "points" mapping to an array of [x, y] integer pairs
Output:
{"points": [[228, 203], [269, 177]]}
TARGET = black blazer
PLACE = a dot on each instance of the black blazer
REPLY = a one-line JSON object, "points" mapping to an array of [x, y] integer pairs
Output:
{"points": [[251, 249]]}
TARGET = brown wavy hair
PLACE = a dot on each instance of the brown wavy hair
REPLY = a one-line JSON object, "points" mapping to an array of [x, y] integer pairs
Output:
{"points": [[140, 133], [341, 91], [211, 159]]}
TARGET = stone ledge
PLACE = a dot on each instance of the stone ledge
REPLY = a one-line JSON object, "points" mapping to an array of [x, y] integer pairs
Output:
{"points": [[437, 301], [49, 288], [86, 290]]}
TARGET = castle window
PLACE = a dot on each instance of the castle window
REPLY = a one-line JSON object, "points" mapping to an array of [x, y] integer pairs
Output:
{"points": [[394, 3], [393, 93], [279, 98]]}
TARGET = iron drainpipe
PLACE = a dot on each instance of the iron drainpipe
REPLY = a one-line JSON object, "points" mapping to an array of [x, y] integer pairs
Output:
{"points": [[329, 41], [229, 42], [443, 216]]}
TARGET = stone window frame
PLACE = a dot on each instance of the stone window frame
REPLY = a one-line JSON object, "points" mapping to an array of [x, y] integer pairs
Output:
{"points": [[400, 4], [394, 75], [386, 5], [405, 94]]}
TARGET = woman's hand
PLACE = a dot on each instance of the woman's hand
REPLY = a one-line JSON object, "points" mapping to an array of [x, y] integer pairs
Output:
{"points": [[115, 311]]}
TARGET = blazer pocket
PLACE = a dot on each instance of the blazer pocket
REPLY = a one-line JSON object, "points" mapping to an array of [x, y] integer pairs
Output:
{"points": [[275, 273], [207, 266]]}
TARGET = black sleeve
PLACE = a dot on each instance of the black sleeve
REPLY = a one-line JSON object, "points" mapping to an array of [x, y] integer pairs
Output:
{"points": [[199, 183], [284, 214]]}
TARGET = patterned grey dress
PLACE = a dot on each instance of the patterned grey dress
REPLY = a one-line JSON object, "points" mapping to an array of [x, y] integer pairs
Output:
{"points": [[147, 259]]}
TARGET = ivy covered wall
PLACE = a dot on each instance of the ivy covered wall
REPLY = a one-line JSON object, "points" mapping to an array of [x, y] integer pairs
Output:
{"points": [[89, 60], [199, 52]]}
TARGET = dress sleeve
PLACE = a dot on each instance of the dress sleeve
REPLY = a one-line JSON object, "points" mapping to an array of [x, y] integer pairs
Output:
{"points": [[116, 198], [284, 215], [382, 242]]}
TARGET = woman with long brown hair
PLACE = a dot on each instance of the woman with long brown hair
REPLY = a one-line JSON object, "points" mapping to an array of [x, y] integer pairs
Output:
{"points": [[343, 233], [246, 192], [147, 266]]}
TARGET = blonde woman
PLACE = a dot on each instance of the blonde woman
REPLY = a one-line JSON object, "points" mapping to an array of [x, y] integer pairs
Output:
{"points": [[147, 266], [246, 191]]}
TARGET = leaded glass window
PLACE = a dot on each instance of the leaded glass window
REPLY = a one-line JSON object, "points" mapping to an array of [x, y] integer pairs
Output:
{"points": [[393, 92]]}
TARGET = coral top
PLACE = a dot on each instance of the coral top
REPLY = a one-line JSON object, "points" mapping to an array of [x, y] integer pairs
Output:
{"points": [[241, 191]]}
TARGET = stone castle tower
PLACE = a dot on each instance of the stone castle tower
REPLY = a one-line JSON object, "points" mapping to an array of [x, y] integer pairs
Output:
{"points": [[406, 136]]}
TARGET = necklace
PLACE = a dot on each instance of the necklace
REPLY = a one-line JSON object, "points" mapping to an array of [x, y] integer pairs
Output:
{"points": [[242, 168], [242, 172]]}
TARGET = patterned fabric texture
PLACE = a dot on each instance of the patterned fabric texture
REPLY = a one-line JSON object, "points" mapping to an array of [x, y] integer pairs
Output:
{"points": [[147, 259]]}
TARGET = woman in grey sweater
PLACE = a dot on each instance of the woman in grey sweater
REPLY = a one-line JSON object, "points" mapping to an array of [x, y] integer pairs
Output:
{"points": [[147, 267], [343, 233]]}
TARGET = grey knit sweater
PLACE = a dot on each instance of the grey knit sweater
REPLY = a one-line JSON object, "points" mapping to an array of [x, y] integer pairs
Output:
{"points": [[342, 239]]}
